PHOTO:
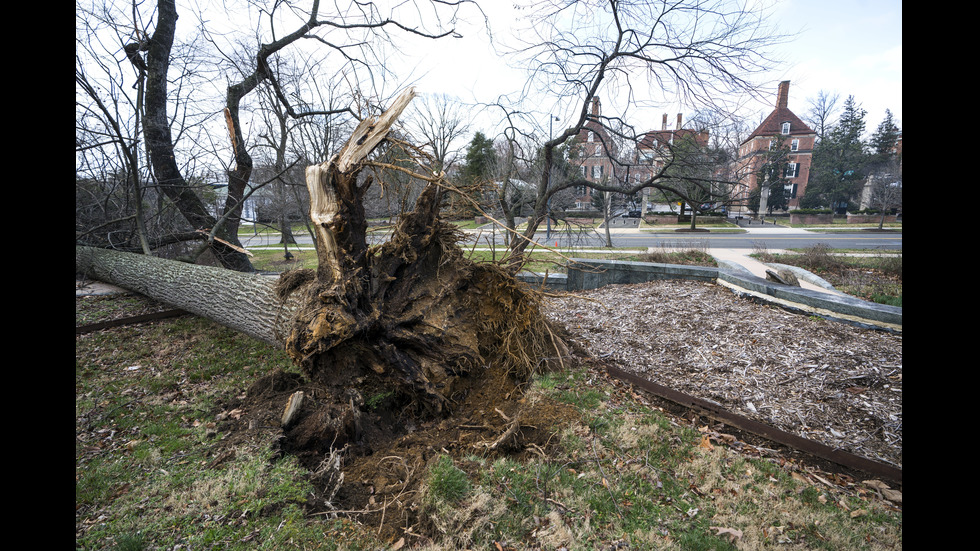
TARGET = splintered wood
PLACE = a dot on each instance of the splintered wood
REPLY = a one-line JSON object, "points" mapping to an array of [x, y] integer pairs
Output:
{"points": [[826, 381]]}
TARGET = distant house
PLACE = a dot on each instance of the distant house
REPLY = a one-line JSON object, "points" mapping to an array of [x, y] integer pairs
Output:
{"points": [[654, 150], [594, 153], [781, 127]]}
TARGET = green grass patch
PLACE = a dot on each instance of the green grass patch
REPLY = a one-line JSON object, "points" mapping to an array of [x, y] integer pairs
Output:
{"points": [[633, 477], [447, 483], [152, 400], [149, 400]]}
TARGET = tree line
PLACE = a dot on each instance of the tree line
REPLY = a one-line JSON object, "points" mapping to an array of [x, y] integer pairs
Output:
{"points": [[850, 170], [184, 131]]}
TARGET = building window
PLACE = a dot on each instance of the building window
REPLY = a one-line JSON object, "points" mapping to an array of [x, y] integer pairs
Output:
{"points": [[584, 175], [597, 172], [591, 136], [785, 128], [792, 170], [794, 145]]}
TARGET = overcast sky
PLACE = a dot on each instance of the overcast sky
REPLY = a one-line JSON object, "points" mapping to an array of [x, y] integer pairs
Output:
{"points": [[847, 47], [852, 47], [844, 47]]}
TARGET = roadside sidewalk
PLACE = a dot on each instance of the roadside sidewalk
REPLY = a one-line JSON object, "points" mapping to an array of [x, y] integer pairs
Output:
{"points": [[741, 258]]}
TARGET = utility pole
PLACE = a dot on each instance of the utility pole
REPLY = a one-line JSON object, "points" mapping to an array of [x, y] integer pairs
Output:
{"points": [[551, 120]]}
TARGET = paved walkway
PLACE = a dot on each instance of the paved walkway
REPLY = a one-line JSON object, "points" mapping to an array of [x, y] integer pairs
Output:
{"points": [[758, 269], [739, 257]]}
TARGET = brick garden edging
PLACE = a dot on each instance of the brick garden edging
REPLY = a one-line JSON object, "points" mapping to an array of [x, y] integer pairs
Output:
{"points": [[811, 219], [869, 218]]}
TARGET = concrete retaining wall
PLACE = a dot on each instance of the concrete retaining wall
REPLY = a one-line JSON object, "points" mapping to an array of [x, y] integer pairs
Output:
{"points": [[584, 274]]}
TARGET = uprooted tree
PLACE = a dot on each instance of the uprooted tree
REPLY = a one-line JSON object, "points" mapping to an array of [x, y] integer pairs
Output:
{"points": [[411, 315]]}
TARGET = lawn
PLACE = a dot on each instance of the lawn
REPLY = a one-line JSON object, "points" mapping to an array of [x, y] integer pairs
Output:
{"points": [[165, 459]]}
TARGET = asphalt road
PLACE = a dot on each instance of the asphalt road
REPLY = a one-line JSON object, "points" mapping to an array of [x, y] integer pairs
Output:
{"points": [[769, 237], [774, 240]]}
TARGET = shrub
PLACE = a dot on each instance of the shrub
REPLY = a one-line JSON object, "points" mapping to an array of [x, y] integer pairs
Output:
{"points": [[811, 211]]}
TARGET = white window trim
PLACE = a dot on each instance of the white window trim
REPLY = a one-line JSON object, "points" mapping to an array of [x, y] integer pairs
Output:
{"points": [[794, 170]]}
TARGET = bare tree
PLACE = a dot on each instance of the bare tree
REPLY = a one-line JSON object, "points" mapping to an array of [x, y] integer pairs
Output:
{"points": [[883, 188], [352, 33], [439, 123], [822, 112], [885, 193], [692, 51], [413, 316], [107, 205]]}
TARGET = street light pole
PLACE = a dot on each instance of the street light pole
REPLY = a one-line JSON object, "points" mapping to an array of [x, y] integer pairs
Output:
{"points": [[551, 119]]}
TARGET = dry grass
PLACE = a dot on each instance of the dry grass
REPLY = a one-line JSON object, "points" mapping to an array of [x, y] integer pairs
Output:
{"points": [[868, 276]]}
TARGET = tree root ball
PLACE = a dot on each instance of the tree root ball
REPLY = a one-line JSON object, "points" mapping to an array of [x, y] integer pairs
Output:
{"points": [[422, 333]]}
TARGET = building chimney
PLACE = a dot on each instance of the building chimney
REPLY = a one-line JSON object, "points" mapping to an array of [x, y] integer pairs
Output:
{"points": [[782, 100], [595, 106], [678, 121], [665, 122]]}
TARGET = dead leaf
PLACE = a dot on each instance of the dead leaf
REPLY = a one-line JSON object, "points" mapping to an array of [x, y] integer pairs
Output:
{"points": [[121, 490], [731, 532], [727, 438], [892, 495], [876, 484]]}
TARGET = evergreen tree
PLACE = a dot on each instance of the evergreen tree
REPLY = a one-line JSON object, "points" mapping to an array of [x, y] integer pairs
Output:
{"points": [[839, 163], [772, 176], [883, 141], [480, 160], [475, 178]]}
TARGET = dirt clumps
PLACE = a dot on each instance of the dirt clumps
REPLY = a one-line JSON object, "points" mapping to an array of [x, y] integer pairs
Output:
{"points": [[368, 451]]}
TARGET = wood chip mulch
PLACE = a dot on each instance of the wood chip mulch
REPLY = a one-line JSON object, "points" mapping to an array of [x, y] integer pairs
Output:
{"points": [[824, 380]]}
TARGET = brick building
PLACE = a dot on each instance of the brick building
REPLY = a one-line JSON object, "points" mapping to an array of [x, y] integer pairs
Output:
{"points": [[594, 151], [781, 127], [654, 150]]}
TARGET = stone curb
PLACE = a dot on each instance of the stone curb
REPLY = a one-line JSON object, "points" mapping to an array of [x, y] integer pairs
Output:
{"points": [[585, 274]]}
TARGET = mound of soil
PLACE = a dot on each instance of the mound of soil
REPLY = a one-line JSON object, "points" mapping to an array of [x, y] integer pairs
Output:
{"points": [[368, 455]]}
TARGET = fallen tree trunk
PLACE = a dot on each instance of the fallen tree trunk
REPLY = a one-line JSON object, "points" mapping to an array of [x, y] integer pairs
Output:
{"points": [[411, 316], [246, 302]]}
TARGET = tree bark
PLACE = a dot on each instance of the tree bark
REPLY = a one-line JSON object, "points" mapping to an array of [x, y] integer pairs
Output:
{"points": [[160, 144], [412, 315], [246, 302]]}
